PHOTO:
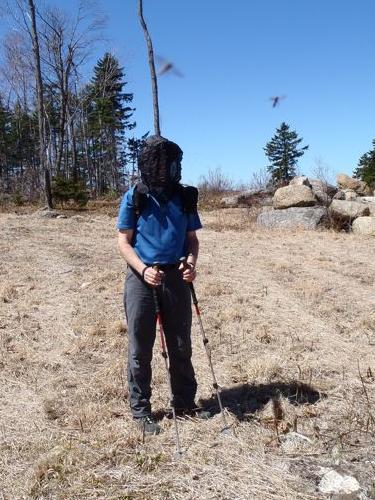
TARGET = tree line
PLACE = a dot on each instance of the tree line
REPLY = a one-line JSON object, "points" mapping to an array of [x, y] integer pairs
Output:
{"points": [[65, 135], [62, 134]]}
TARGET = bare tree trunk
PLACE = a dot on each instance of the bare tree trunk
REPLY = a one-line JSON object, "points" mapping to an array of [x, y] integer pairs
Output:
{"points": [[72, 132], [62, 121], [64, 74], [86, 144], [40, 104], [151, 63]]}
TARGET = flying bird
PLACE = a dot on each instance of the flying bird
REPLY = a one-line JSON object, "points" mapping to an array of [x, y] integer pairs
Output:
{"points": [[276, 100], [167, 67]]}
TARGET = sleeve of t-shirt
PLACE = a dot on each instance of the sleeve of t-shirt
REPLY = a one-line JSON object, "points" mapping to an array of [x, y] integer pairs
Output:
{"points": [[126, 216], [194, 222]]}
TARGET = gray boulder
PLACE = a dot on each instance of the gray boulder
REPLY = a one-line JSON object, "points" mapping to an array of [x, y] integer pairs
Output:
{"points": [[346, 182], [292, 218], [230, 201], [319, 185], [340, 484], [322, 197], [347, 210], [364, 225], [48, 214], [294, 442], [370, 203], [293, 196], [246, 198], [350, 194], [340, 195], [300, 180], [323, 191]]}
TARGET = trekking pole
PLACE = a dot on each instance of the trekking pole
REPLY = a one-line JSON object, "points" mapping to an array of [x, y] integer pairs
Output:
{"points": [[164, 353], [207, 348]]}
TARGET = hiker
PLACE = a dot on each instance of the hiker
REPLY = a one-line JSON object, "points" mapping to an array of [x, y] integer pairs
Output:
{"points": [[157, 223]]}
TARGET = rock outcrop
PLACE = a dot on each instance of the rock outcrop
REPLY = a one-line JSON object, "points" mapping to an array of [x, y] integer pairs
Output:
{"points": [[308, 202]]}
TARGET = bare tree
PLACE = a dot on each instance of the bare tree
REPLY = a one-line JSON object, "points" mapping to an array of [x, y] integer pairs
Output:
{"points": [[260, 180], [40, 104], [67, 43], [17, 69], [323, 172], [216, 181], [151, 63]]}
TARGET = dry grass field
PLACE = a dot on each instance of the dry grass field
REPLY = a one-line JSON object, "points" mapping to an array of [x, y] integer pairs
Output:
{"points": [[291, 319]]}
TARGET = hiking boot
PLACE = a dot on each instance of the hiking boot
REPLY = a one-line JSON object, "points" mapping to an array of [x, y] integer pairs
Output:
{"points": [[148, 425]]}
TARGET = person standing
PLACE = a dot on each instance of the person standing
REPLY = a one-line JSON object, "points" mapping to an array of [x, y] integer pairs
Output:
{"points": [[157, 223]]}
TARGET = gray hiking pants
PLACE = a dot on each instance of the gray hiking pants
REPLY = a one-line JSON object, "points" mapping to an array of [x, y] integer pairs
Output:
{"points": [[175, 301]]}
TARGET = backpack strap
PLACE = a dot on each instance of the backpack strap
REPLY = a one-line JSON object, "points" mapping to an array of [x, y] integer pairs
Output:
{"points": [[189, 198], [139, 199]]}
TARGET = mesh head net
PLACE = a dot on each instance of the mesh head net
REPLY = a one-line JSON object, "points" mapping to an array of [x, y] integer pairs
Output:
{"points": [[159, 162]]}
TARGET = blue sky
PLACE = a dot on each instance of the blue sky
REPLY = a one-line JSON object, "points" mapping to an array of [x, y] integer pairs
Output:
{"points": [[234, 56]]}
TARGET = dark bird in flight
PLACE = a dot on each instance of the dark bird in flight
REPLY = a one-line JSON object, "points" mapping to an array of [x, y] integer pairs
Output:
{"points": [[167, 67], [276, 100]]}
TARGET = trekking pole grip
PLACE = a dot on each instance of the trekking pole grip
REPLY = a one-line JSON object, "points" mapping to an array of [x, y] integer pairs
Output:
{"points": [[156, 301], [183, 260], [155, 293]]}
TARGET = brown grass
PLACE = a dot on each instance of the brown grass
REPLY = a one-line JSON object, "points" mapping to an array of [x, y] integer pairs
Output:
{"points": [[291, 320]]}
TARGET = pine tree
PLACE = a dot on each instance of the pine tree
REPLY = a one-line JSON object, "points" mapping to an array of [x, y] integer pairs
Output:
{"points": [[366, 167], [23, 155], [283, 153], [134, 146], [109, 117]]}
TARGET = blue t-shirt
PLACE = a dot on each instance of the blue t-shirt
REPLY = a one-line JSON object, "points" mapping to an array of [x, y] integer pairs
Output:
{"points": [[160, 231]]}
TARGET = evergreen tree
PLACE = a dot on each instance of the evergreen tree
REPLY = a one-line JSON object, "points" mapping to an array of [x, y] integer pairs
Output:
{"points": [[97, 155], [134, 147], [23, 156], [18, 151], [109, 117], [366, 167], [283, 153]]}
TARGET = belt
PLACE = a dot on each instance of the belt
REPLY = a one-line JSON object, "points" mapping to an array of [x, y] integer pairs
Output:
{"points": [[167, 267]]}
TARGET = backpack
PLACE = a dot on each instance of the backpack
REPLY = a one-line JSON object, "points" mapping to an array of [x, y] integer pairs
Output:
{"points": [[188, 196]]}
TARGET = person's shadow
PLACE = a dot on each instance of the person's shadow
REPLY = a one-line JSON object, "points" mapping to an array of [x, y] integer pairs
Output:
{"points": [[243, 400]]}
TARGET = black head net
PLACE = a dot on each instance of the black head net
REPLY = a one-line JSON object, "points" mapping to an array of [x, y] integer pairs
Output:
{"points": [[159, 162]]}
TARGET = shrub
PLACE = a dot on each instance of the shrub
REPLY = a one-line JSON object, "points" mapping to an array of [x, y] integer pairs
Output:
{"points": [[212, 187], [18, 198], [215, 182], [65, 190]]}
